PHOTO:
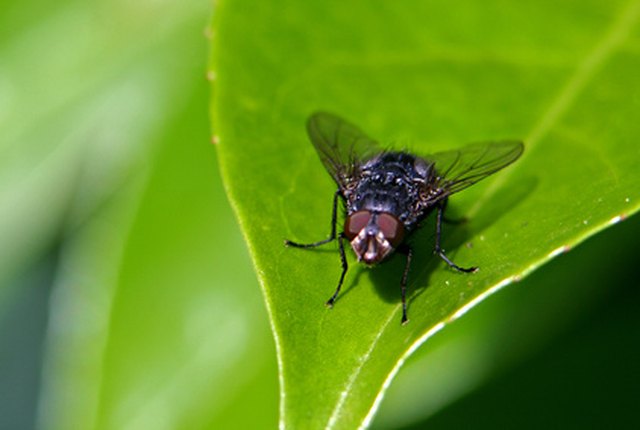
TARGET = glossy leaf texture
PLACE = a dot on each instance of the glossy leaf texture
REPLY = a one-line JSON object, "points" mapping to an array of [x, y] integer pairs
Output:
{"points": [[426, 77]]}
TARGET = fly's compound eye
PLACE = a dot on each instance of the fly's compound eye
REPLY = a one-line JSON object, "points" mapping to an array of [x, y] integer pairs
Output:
{"points": [[392, 228], [355, 223]]}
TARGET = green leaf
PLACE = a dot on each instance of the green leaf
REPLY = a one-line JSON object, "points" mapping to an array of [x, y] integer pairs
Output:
{"points": [[426, 76]]}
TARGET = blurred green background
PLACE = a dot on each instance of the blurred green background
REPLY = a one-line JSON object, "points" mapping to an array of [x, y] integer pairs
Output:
{"points": [[127, 298]]}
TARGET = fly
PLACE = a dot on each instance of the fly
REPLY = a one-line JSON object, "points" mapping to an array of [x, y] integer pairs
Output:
{"points": [[387, 194]]}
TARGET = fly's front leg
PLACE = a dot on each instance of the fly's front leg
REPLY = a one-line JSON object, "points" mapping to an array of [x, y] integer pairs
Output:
{"points": [[438, 250], [332, 236], [345, 266], [406, 250]]}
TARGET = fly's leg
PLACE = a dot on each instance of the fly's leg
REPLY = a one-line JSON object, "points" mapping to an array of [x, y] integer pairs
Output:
{"points": [[438, 250], [332, 236], [403, 284], [345, 266]]}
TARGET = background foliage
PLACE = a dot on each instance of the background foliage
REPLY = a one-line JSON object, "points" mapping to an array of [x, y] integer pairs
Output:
{"points": [[127, 298]]}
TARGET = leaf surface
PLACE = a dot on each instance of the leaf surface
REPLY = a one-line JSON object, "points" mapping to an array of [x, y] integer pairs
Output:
{"points": [[427, 77]]}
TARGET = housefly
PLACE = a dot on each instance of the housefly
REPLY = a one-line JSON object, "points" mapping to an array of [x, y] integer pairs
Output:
{"points": [[387, 194]]}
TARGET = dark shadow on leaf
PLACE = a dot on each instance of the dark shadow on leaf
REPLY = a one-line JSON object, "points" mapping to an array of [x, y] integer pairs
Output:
{"points": [[502, 202], [388, 275]]}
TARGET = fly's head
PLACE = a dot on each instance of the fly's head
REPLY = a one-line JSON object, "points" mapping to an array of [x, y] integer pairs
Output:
{"points": [[373, 235]]}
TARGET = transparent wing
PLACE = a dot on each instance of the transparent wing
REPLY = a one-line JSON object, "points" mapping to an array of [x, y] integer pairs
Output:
{"points": [[461, 168], [342, 146]]}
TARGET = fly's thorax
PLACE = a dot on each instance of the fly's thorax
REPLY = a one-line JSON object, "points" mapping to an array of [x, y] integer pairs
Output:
{"points": [[373, 235], [388, 191]]}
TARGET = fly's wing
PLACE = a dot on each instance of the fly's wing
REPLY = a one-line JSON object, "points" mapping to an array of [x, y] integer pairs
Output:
{"points": [[342, 146], [461, 168]]}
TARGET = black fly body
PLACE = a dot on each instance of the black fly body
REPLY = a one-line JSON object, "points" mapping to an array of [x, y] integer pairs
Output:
{"points": [[386, 194]]}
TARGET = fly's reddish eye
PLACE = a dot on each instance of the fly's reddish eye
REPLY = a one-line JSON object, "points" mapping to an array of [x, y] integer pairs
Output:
{"points": [[356, 222], [392, 228]]}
